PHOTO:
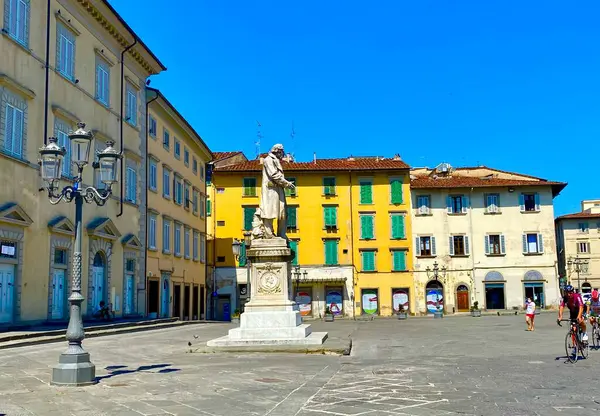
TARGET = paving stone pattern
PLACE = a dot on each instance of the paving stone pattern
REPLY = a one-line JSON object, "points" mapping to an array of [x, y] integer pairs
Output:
{"points": [[452, 366]]}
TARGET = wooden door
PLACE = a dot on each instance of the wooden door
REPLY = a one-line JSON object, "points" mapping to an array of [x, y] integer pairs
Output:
{"points": [[462, 301], [7, 282], [58, 294]]}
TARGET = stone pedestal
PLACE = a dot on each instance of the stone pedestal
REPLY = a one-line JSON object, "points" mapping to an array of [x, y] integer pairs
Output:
{"points": [[271, 317]]}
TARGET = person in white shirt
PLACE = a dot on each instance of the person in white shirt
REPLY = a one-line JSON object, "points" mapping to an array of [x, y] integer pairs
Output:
{"points": [[530, 314]]}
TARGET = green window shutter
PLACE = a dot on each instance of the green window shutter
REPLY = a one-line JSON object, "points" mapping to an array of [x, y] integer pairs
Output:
{"points": [[243, 259], [399, 260], [334, 217], [288, 191], [398, 226], [291, 217], [366, 227], [396, 188], [330, 216], [366, 192], [331, 250], [249, 186], [248, 215], [368, 261], [294, 247], [329, 186], [208, 207]]}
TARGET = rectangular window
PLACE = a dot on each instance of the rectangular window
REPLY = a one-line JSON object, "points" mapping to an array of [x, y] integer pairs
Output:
{"points": [[248, 216], [397, 226], [533, 243], [186, 243], [249, 187], [62, 135], [152, 232], [368, 260], [178, 190], [457, 204], [367, 229], [195, 246], [177, 149], [166, 139], [60, 256], [208, 208], [65, 58], [202, 248], [399, 260], [14, 127], [291, 192], [396, 196], [529, 202], [194, 165], [331, 252], [17, 20], [459, 245], [294, 247], [166, 183], [202, 206], [130, 265], [102, 82], [330, 214], [202, 172], [131, 185], [366, 191], [186, 199], [492, 203], [425, 246], [583, 227], [152, 128], [329, 186], [423, 205], [195, 202], [152, 175], [8, 249], [177, 238], [292, 224], [583, 247], [494, 245], [166, 236], [131, 110], [186, 156]]}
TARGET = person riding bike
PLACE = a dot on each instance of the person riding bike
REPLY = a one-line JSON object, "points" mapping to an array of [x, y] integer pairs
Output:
{"points": [[575, 303], [594, 307]]}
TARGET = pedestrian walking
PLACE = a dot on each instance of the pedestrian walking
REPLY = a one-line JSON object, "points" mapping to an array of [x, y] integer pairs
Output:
{"points": [[529, 313]]}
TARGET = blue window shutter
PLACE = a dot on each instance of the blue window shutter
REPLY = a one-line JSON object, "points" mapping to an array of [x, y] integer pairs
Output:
{"points": [[449, 204], [18, 133], [465, 204], [540, 243], [433, 251], [98, 82], [417, 246], [242, 260], [9, 115], [487, 244], [451, 245], [502, 245], [467, 248], [12, 17], [525, 251], [537, 202], [522, 202]]}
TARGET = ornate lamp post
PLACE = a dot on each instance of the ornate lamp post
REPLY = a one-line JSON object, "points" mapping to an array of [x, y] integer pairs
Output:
{"points": [[578, 266], [435, 273], [74, 366], [300, 276], [236, 246]]}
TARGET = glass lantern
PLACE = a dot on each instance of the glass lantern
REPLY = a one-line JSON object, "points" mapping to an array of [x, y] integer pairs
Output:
{"points": [[107, 163], [51, 157], [235, 246], [81, 141]]}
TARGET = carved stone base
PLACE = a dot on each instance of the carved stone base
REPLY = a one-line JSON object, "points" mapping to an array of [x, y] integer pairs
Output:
{"points": [[74, 370]]}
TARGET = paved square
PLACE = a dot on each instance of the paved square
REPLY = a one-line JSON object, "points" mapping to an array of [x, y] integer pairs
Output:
{"points": [[452, 366]]}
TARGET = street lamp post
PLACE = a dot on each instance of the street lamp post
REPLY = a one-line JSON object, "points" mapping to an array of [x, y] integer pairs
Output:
{"points": [[578, 266], [300, 277], [435, 272], [74, 366], [236, 246]]}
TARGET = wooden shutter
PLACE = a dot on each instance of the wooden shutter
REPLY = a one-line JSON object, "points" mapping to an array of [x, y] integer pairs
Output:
{"points": [[208, 207], [540, 243], [399, 260], [486, 244], [396, 189], [9, 129], [291, 217], [537, 201], [465, 204], [331, 252], [451, 245], [466, 242], [525, 246], [433, 252], [248, 215], [449, 204], [242, 259], [502, 245], [368, 258], [366, 227], [294, 247], [417, 246], [522, 202], [366, 193]]}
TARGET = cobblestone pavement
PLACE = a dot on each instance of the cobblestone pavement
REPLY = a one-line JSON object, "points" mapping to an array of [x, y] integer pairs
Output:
{"points": [[452, 366]]}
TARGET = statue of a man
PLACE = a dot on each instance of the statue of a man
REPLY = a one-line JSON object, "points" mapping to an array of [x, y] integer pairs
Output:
{"points": [[272, 199]]}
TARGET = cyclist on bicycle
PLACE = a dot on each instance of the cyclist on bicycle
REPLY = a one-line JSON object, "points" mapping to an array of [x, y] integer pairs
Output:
{"points": [[594, 307], [575, 303]]}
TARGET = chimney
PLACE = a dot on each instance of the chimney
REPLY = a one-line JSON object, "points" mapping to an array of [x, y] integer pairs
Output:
{"points": [[315, 158], [397, 157], [351, 158]]}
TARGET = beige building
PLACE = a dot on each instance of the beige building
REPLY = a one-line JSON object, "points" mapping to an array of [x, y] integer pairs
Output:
{"points": [[85, 81], [176, 255], [578, 239], [492, 230]]}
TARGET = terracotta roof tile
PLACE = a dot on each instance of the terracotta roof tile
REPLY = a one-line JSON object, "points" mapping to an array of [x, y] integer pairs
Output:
{"points": [[224, 155], [357, 163], [423, 182], [498, 170], [579, 215]]}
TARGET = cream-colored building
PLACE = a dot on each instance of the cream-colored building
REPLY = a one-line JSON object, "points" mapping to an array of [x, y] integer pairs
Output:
{"points": [[87, 40], [176, 259], [492, 230], [578, 239]]}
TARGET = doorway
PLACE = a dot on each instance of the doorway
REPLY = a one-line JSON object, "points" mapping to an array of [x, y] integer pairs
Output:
{"points": [[177, 300], [58, 294], [535, 291], [128, 294], [202, 300], [187, 297], [434, 296], [224, 308], [462, 299], [153, 298], [400, 300], [98, 276], [164, 296], [335, 300], [494, 296], [304, 300], [370, 301], [195, 302], [7, 285]]}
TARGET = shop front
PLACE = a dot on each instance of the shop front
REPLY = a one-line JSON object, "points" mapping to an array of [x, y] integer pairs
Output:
{"points": [[318, 291]]}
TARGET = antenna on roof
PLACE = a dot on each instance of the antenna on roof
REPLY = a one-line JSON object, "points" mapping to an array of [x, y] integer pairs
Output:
{"points": [[292, 135], [258, 137]]}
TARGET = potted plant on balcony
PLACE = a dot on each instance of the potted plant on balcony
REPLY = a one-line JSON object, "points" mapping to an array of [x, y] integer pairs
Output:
{"points": [[475, 309], [235, 318], [402, 312], [328, 315]]}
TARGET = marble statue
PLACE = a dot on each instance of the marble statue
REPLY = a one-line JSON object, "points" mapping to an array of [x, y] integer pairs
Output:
{"points": [[272, 200]]}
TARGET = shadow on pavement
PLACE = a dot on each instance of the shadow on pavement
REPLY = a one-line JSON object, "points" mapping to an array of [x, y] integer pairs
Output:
{"points": [[117, 370]]}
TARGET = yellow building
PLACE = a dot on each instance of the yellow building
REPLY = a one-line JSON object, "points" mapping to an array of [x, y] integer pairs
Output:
{"points": [[348, 222], [176, 255], [84, 80]]}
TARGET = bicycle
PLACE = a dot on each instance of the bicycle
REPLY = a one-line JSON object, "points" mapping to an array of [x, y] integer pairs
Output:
{"points": [[573, 343]]}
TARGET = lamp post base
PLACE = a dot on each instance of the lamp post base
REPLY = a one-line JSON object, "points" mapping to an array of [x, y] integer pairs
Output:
{"points": [[74, 370]]}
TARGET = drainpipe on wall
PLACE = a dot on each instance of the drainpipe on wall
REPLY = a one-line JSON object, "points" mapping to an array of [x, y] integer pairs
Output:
{"points": [[472, 241], [122, 181], [47, 73], [353, 297]]}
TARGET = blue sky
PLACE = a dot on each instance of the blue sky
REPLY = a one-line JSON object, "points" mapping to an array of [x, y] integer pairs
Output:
{"points": [[513, 85]]}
